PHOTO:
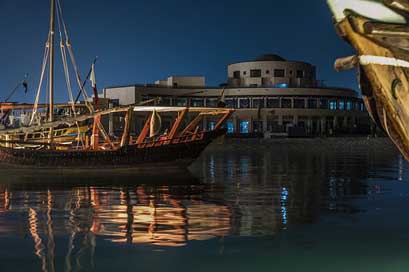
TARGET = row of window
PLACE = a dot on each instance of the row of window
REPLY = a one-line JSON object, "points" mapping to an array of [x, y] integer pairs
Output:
{"points": [[243, 126], [276, 73], [279, 103]]}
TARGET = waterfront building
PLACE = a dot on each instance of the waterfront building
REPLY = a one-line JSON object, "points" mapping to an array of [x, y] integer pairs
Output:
{"points": [[272, 97]]}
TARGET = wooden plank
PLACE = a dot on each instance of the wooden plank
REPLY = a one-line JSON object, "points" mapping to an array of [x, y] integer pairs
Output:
{"points": [[222, 120], [95, 133], [105, 135], [176, 125], [125, 134], [144, 131], [192, 124]]}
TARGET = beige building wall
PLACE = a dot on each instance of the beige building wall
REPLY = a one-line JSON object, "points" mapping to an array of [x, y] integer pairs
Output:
{"points": [[182, 81], [268, 78], [124, 95]]}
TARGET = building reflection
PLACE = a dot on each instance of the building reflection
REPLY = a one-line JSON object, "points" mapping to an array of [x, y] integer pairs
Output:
{"points": [[245, 192], [272, 187]]}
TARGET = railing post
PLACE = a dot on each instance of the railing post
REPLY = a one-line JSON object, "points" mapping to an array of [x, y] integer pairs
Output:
{"points": [[223, 119], [125, 135], [177, 123], [192, 124], [144, 131], [95, 133]]}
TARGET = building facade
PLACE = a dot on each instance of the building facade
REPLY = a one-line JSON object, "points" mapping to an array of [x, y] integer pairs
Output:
{"points": [[272, 97]]}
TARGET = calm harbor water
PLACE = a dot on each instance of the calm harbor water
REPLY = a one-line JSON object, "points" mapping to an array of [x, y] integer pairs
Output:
{"points": [[293, 205]]}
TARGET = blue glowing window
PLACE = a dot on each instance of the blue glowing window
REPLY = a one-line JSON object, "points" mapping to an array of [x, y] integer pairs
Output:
{"points": [[244, 127], [230, 127], [341, 105], [211, 125], [349, 105], [281, 85], [333, 105]]}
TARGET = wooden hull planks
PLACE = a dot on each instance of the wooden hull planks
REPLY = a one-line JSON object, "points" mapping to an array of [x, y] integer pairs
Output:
{"points": [[180, 152], [383, 63]]}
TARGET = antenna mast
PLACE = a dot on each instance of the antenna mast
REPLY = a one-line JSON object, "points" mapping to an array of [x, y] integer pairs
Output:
{"points": [[51, 47]]}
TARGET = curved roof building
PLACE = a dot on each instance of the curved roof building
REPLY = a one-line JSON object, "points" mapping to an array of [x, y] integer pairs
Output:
{"points": [[271, 95], [271, 71]]}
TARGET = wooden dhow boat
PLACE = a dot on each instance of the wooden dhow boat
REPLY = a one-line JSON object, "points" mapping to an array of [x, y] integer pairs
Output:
{"points": [[62, 135], [179, 147], [379, 32], [95, 148]]}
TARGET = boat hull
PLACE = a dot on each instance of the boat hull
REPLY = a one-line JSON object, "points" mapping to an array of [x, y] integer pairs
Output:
{"points": [[383, 79], [132, 156]]}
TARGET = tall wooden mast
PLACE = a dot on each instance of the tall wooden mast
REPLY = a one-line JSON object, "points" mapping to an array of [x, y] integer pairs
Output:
{"points": [[51, 45]]}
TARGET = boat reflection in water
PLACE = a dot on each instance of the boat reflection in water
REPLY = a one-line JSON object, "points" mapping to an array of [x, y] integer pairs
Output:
{"points": [[156, 215], [239, 191]]}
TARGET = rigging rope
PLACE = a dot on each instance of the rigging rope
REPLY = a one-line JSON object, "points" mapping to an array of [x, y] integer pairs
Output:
{"points": [[67, 72], [45, 59], [65, 66], [22, 83], [72, 57]]}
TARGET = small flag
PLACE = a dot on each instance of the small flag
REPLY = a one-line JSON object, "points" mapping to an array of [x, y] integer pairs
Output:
{"points": [[94, 85], [25, 83]]}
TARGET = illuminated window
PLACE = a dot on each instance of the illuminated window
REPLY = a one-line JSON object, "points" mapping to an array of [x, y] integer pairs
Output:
{"points": [[349, 105], [333, 104], [230, 127], [211, 125], [244, 127], [341, 105], [281, 85]]}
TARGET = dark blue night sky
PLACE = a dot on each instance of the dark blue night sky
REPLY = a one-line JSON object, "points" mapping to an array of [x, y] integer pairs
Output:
{"points": [[139, 41]]}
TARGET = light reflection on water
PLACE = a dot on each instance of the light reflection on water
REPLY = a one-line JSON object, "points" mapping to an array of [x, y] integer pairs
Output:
{"points": [[239, 190]]}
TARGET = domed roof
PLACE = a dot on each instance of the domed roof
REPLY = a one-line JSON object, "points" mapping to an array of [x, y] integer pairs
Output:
{"points": [[270, 57]]}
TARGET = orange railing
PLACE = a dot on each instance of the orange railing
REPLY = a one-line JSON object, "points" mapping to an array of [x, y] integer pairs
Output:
{"points": [[163, 140]]}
